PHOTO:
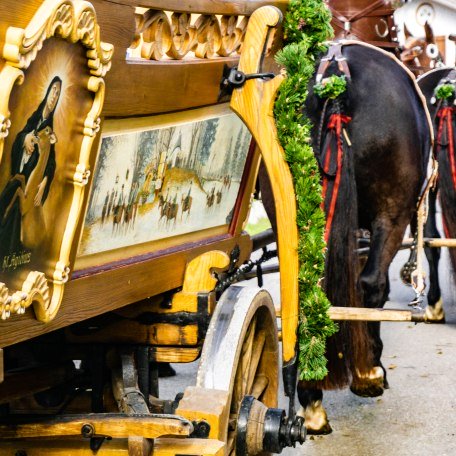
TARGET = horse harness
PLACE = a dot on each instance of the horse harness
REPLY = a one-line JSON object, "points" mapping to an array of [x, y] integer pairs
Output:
{"points": [[413, 53], [348, 22], [334, 54], [331, 152], [446, 115]]}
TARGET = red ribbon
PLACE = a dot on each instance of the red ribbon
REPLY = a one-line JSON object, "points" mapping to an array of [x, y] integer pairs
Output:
{"points": [[336, 122], [446, 120]]}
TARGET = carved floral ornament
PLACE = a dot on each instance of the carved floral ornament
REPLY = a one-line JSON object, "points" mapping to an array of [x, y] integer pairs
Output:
{"points": [[175, 35], [74, 21]]}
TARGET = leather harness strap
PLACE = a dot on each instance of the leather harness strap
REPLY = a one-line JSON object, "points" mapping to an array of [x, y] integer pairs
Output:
{"points": [[334, 53], [359, 14], [346, 21]]}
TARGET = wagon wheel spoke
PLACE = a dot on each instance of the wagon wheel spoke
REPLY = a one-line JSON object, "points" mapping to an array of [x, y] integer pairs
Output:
{"points": [[259, 387], [247, 357], [258, 348], [240, 385]]}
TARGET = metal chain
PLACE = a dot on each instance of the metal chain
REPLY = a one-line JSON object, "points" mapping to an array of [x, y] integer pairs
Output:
{"points": [[227, 279]]}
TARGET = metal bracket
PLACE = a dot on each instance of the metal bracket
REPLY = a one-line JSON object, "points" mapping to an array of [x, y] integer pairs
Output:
{"points": [[96, 441], [234, 78]]}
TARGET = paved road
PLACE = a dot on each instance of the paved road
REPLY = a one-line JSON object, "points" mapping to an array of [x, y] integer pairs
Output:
{"points": [[416, 416]]}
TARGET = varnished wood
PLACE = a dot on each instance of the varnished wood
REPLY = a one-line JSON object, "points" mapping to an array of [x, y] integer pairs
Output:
{"points": [[94, 294], [186, 84], [243, 7], [434, 242], [199, 278], [134, 332], [2, 374], [147, 81], [180, 81], [78, 447], [175, 354], [139, 446], [207, 404], [191, 447], [162, 447], [116, 426], [365, 314], [254, 104]]}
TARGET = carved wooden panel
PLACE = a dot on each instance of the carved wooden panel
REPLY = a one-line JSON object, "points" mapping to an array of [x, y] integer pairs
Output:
{"points": [[51, 95], [176, 35]]}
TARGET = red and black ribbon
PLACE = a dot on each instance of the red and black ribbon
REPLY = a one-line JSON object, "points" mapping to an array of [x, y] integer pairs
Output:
{"points": [[445, 137], [333, 152]]}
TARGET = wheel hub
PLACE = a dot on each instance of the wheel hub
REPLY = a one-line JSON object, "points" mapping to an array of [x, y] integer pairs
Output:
{"points": [[260, 428]]}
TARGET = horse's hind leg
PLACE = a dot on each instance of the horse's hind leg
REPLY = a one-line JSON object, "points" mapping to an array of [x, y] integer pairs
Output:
{"points": [[312, 410], [434, 309], [386, 239]]}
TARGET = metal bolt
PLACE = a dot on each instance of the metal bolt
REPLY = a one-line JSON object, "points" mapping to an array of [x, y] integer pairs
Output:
{"points": [[87, 430]]}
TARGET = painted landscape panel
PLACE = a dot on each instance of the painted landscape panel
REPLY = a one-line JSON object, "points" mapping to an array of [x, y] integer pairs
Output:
{"points": [[157, 183]]}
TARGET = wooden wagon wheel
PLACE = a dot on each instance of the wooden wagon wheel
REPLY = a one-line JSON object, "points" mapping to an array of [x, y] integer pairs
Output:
{"points": [[240, 354]]}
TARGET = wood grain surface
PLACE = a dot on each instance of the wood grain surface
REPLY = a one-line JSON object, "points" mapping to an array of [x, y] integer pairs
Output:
{"points": [[94, 294]]}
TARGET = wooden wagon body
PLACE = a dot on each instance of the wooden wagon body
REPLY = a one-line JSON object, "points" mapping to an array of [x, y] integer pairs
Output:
{"points": [[125, 184]]}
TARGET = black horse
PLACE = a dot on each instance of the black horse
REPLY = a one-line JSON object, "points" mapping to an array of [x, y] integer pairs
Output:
{"points": [[386, 146], [442, 114]]}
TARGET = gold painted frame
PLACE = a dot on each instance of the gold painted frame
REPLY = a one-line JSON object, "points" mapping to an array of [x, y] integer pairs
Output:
{"points": [[74, 21]]}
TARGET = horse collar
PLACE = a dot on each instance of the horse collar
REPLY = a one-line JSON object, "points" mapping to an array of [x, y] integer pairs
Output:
{"points": [[334, 53]]}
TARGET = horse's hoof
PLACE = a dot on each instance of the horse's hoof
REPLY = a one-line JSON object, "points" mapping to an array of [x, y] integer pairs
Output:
{"points": [[435, 313], [315, 419], [371, 384]]}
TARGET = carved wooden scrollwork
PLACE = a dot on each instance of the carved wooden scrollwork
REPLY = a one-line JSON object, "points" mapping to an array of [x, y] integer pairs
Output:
{"points": [[75, 22], [35, 290], [176, 35]]}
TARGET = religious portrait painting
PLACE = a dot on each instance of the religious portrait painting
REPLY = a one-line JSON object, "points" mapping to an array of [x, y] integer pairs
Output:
{"points": [[40, 154]]}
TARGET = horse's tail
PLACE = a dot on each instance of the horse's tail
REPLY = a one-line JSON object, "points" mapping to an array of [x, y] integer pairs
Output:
{"points": [[350, 347], [446, 154]]}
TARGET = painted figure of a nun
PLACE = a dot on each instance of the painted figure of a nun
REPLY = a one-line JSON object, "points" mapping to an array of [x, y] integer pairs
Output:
{"points": [[32, 171]]}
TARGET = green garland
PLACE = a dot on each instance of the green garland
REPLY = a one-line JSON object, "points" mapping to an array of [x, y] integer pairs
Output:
{"points": [[444, 91], [306, 27], [331, 87]]}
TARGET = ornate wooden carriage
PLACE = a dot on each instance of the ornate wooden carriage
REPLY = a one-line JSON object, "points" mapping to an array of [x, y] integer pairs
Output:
{"points": [[125, 184]]}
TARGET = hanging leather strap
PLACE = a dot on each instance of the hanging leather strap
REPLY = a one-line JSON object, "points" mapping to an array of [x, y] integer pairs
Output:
{"points": [[334, 53]]}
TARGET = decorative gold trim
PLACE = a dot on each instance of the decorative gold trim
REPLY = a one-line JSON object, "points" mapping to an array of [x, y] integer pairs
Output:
{"points": [[35, 290], [74, 21], [161, 34]]}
